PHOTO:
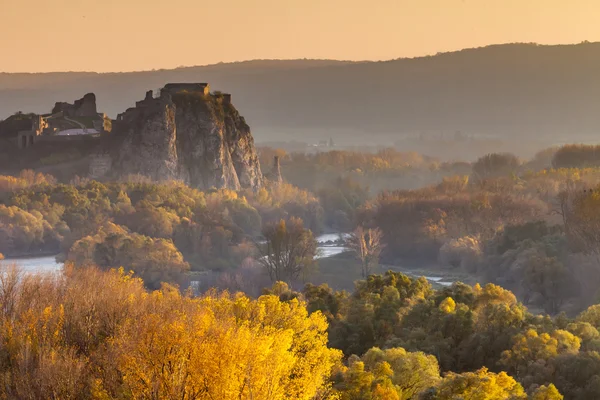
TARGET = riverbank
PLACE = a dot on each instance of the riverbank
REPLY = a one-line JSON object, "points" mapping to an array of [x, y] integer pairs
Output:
{"points": [[35, 254]]}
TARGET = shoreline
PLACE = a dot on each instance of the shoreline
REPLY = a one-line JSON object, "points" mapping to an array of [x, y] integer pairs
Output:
{"points": [[30, 255]]}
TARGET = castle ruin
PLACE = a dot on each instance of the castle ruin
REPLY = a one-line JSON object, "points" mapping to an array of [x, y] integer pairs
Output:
{"points": [[173, 88], [84, 107], [150, 102], [28, 138], [175, 135]]}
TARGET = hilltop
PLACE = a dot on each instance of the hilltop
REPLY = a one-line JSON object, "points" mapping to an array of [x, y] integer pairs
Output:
{"points": [[512, 90]]}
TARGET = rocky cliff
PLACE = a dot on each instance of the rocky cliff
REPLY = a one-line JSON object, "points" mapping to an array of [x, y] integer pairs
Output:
{"points": [[192, 136]]}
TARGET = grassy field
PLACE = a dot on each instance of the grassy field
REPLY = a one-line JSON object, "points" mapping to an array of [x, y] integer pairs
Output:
{"points": [[339, 271], [342, 270]]}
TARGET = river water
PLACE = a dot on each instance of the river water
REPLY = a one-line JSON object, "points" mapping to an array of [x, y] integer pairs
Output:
{"points": [[329, 244], [327, 248], [36, 264], [49, 264]]}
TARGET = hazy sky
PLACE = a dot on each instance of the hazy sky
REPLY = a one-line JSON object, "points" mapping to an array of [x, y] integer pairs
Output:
{"points": [[125, 35]]}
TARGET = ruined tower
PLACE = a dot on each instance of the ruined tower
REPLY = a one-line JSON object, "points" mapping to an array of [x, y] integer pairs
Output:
{"points": [[275, 173]]}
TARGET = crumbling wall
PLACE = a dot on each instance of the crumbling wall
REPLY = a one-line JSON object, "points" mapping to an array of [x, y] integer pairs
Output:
{"points": [[84, 107]]}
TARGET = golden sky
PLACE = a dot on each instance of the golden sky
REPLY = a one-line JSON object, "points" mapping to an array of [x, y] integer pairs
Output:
{"points": [[126, 35]]}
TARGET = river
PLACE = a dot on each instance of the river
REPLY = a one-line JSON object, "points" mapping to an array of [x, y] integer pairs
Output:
{"points": [[329, 246], [36, 264]]}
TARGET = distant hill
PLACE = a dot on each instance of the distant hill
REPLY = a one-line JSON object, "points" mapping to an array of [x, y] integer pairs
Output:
{"points": [[512, 90]]}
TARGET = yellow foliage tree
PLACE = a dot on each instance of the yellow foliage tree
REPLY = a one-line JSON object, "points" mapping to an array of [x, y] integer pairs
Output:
{"points": [[530, 348], [549, 392], [101, 335], [479, 385], [226, 347], [448, 305]]}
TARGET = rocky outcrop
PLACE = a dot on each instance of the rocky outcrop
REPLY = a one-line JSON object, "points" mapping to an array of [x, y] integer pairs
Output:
{"points": [[192, 136]]}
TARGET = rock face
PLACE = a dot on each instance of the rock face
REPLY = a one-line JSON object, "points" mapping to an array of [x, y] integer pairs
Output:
{"points": [[191, 136], [100, 165]]}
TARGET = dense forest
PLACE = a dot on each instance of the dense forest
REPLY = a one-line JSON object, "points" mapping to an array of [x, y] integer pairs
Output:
{"points": [[120, 322]]}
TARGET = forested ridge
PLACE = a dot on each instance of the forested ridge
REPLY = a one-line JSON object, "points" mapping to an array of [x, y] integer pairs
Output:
{"points": [[517, 90]]}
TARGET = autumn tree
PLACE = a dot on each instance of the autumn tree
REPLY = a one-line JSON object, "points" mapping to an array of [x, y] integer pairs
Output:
{"points": [[549, 392], [495, 164], [356, 382], [155, 260], [583, 222], [478, 385], [548, 277], [576, 156], [289, 251], [582, 229], [463, 252], [532, 353], [413, 372], [591, 315], [101, 335], [367, 245], [386, 374]]}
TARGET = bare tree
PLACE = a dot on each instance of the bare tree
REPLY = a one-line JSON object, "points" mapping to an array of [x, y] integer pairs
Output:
{"points": [[366, 243], [289, 251]]}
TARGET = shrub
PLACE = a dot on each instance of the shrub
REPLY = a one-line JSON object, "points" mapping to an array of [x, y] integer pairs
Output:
{"points": [[463, 252], [495, 164]]}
